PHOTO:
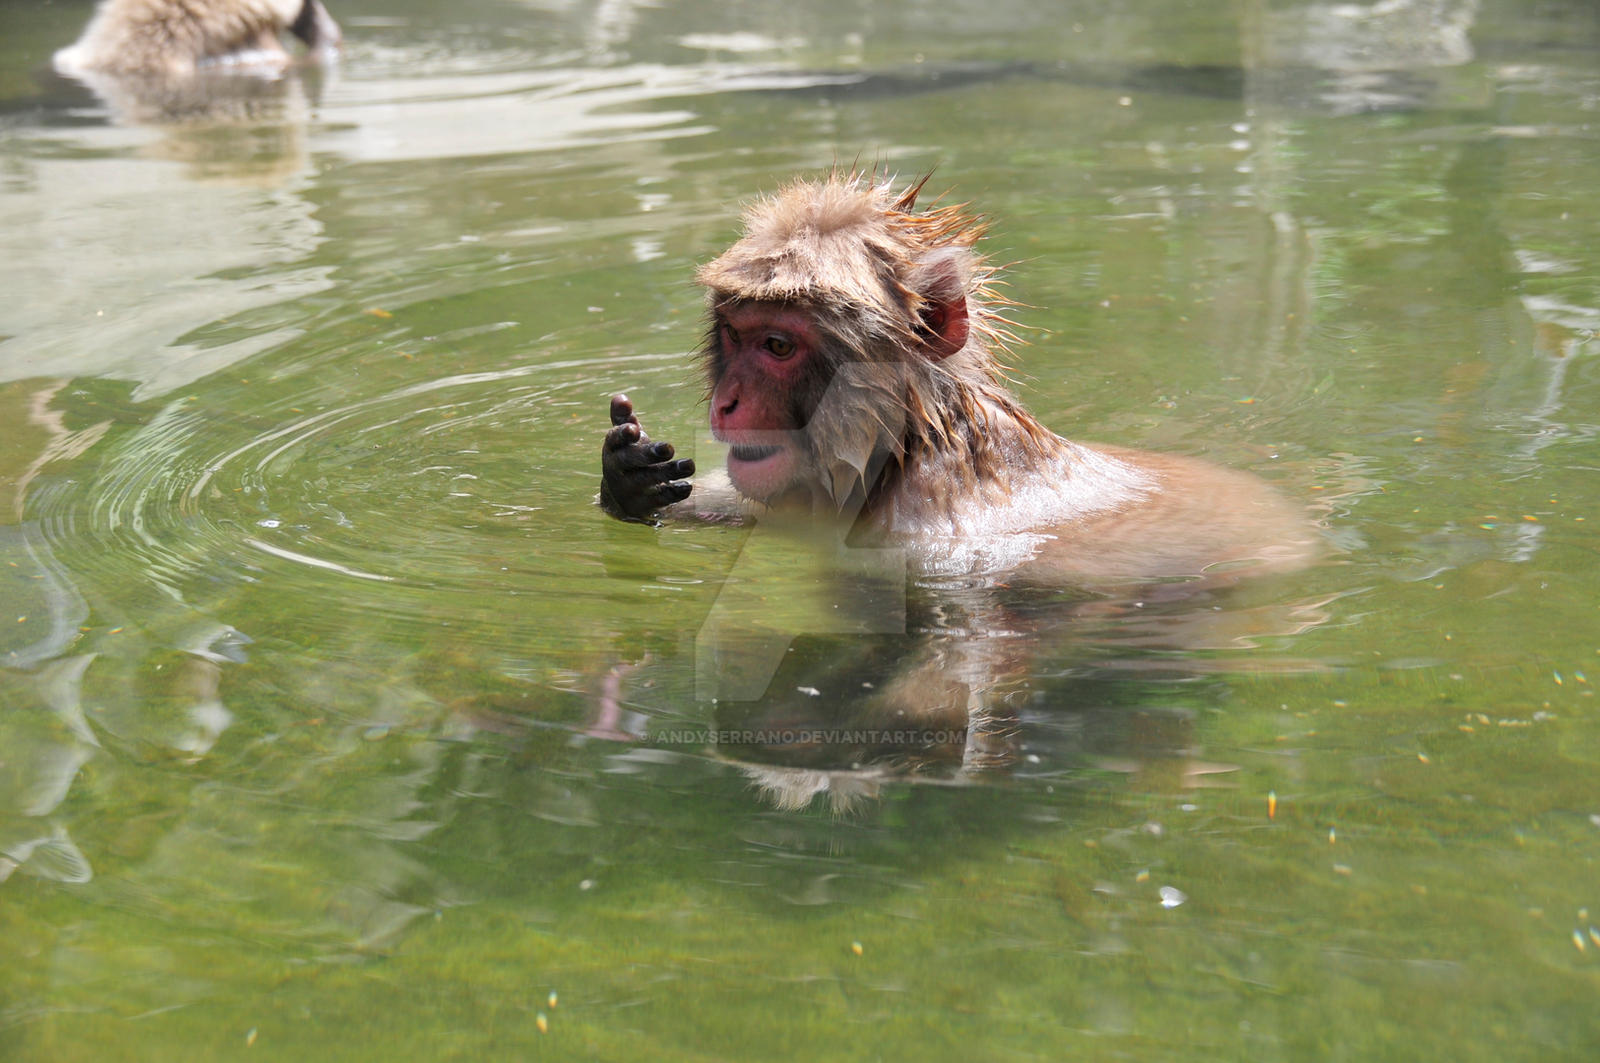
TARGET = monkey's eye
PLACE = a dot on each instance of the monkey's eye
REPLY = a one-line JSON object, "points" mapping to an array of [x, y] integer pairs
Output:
{"points": [[779, 347]]}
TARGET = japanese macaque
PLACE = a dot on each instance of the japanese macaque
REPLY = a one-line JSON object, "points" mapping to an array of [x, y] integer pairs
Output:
{"points": [[167, 38], [852, 363]]}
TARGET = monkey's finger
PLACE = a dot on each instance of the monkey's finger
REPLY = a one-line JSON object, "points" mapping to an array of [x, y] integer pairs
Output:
{"points": [[622, 411], [662, 451], [635, 461], [666, 470], [666, 494], [624, 435]]}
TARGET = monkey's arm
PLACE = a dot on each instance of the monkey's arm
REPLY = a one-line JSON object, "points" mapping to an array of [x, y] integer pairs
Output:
{"points": [[638, 478]]}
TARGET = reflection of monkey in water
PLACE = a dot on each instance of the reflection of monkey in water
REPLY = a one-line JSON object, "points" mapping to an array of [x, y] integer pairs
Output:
{"points": [[852, 366], [177, 37]]}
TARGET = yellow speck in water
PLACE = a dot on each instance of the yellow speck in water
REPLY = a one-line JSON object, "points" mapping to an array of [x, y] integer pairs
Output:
{"points": [[250, 1037], [551, 1000], [1424, 758], [1142, 876], [855, 947], [376, 311], [1577, 939], [1530, 518], [1272, 804], [542, 1022], [1341, 869], [1559, 681], [1332, 837], [1594, 936]]}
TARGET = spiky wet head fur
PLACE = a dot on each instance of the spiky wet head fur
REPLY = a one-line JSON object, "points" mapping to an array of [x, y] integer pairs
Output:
{"points": [[881, 280], [852, 243]]}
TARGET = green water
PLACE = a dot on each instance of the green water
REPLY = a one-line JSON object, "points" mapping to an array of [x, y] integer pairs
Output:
{"points": [[335, 723]]}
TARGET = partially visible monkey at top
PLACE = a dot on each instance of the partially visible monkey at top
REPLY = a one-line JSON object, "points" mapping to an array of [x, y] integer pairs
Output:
{"points": [[165, 38], [853, 371]]}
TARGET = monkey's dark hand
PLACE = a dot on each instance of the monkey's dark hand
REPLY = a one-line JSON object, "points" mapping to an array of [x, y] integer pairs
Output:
{"points": [[638, 477]]}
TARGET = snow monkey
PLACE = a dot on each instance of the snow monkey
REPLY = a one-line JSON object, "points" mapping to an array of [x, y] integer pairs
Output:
{"points": [[853, 362], [176, 37]]}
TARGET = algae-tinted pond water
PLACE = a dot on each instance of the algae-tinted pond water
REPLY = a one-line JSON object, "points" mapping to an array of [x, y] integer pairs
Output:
{"points": [[336, 723]]}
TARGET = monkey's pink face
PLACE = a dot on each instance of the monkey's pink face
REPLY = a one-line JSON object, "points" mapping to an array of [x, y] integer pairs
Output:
{"points": [[762, 355]]}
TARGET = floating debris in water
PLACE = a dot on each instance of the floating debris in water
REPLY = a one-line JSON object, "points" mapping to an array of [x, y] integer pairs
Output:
{"points": [[855, 947], [551, 1000], [250, 1037], [1341, 869], [1143, 875], [1577, 939], [541, 1021], [1172, 896], [810, 691], [1272, 804], [1332, 837]]}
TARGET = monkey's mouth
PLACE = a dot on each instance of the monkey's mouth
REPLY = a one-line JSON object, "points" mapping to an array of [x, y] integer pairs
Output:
{"points": [[749, 452]]}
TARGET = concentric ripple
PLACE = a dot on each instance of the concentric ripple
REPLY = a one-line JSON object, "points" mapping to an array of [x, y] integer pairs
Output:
{"points": [[413, 502]]}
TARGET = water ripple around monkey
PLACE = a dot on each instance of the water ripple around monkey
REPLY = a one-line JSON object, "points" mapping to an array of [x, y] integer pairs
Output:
{"points": [[416, 502]]}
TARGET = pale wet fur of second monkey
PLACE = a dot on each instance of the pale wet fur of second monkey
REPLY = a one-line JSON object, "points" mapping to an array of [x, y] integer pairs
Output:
{"points": [[853, 371], [174, 38]]}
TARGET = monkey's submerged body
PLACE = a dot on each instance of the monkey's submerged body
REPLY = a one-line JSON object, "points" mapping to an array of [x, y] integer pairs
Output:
{"points": [[852, 363]]}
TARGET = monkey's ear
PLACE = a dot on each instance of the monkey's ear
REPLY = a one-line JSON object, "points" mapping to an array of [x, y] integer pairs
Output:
{"points": [[941, 280]]}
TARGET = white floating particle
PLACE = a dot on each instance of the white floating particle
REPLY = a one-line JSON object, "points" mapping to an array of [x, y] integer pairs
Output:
{"points": [[1172, 896]]}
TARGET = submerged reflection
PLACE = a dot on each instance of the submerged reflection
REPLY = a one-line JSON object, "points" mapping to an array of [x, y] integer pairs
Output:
{"points": [[824, 699]]}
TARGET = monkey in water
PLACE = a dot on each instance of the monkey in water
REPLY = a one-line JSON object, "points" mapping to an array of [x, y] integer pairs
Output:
{"points": [[174, 38], [852, 364]]}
